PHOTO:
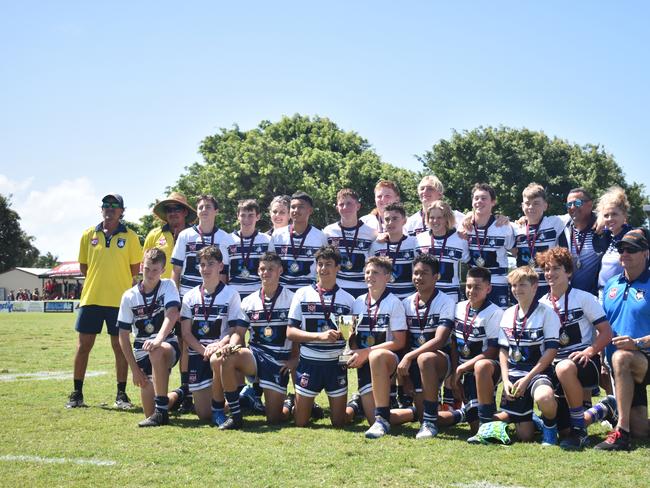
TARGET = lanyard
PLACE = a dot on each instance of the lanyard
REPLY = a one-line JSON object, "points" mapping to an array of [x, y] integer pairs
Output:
{"points": [[426, 310], [399, 245], [563, 316], [523, 323], [302, 241], [531, 242], [206, 311], [348, 252], [244, 255], [269, 313], [373, 320], [149, 310], [327, 311], [471, 324], [432, 249]]}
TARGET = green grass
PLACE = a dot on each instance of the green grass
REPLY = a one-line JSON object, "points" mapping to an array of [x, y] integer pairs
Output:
{"points": [[34, 423]]}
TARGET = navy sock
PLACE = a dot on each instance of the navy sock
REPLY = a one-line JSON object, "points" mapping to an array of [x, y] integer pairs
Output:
{"points": [[577, 417], [597, 412], [486, 412], [218, 405], [447, 396], [121, 386], [549, 423], [459, 416], [430, 411], [232, 397], [185, 380], [383, 412], [162, 403], [79, 385]]}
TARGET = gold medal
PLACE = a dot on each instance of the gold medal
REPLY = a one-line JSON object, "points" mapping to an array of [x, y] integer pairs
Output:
{"points": [[294, 267], [149, 328], [465, 351], [370, 340], [480, 262], [268, 331], [578, 264], [206, 328], [244, 273], [422, 339], [516, 355], [564, 339], [347, 264]]}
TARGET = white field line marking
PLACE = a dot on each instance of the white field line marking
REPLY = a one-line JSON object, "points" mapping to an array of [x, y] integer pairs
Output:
{"points": [[45, 460], [45, 375]]}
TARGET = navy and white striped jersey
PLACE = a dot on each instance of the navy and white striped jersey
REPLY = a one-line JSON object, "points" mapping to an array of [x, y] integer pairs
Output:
{"points": [[188, 243], [416, 223], [376, 326], [373, 221], [267, 323], [144, 319], [245, 259], [578, 320], [450, 250], [401, 284], [307, 313], [538, 238], [223, 310], [300, 269], [491, 245], [422, 324], [480, 327], [541, 332], [353, 259]]}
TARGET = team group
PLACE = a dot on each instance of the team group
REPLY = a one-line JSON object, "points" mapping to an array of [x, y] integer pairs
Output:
{"points": [[423, 349]]}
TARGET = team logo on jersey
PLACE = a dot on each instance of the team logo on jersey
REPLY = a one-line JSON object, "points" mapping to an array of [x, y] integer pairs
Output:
{"points": [[309, 252], [283, 315], [276, 377], [304, 380], [492, 243], [192, 247], [311, 307], [285, 249], [339, 311], [334, 241], [612, 292], [94, 242], [121, 242], [255, 316], [162, 241], [640, 295], [570, 317], [232, 249]]}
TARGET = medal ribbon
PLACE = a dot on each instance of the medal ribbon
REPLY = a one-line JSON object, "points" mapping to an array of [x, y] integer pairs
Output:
{"points": [[245, 257], [575, 242], [269, 313], [206, 311], [202, 235], [531, 242], [480, 244], [149, 310], [471, 324], [399, 245], [348, 252], [563, 317], [373, 320], [432, 249], [302, 241], [327, 311], [523, 323], [426, 310]]}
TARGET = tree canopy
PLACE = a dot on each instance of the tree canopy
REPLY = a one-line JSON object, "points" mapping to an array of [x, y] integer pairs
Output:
{"points": [[16, 249], [295, 153], [509, 159]]}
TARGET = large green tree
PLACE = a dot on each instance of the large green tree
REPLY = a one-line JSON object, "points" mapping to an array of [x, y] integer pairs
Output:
{"points": [[509, 159], [295, 153], [16, 248]]}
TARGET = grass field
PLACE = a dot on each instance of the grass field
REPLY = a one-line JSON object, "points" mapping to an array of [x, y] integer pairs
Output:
{"points": [[43, 444]]}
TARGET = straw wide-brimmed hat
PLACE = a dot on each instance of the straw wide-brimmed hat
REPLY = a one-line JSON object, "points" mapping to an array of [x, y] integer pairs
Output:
{"points": [[178, 199]]}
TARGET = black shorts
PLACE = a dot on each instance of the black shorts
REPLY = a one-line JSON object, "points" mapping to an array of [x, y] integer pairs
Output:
{"points": [[521, 409], [588, 375], [640, 398], [91, 318]]}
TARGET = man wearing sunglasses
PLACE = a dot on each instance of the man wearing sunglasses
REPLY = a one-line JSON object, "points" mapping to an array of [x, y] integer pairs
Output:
{"points": [[586, 246], [176, 215], [109, 258], [627, 305]]}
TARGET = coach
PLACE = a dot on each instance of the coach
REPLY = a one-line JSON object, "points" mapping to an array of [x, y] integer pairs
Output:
{"points": [[627, 305], [109, 258]]}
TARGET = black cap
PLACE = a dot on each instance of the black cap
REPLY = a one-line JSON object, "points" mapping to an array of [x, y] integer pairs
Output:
{"points": [[114, 196], [637, 238]]}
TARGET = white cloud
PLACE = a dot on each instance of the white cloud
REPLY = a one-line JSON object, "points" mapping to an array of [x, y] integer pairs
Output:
{"points": [[10, 187]]}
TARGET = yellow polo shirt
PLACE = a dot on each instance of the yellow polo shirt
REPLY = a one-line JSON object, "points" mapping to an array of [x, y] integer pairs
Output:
{"points": [[109, 264], [162, 238]]}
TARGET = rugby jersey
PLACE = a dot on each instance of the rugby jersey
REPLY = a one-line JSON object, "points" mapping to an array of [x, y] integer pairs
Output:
{"points": [[223, 310], [531, 240], [450, 250], [478, 329], [267, 320], [143, 317], [416, 223], [492, 244], [244, 259], [307, 313], [298, 264], [422, 324], [188, 243], [402, 254], [353, 243], [541, 332], [609, 264], [373, 221], [375, 325], [579, 314]]}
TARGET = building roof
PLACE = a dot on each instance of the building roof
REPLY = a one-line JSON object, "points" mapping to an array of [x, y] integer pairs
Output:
{"points": [[33, 271]]}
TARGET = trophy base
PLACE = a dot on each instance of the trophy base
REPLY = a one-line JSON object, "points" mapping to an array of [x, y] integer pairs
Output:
{"points": [[344, 358]]}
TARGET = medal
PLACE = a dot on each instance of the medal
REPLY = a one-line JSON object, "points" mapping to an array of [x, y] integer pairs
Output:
{"points": [[347, 264], [564, 339], [421, 339], [480, 262], [294, 267], [465, 351], [578, 263], [244, 273], [268, 331], [476, 331], [516, 355], [531, 242], [148, 328], [394, 255], [370, 340], [392, 278], [205, 325], [148, 325]]}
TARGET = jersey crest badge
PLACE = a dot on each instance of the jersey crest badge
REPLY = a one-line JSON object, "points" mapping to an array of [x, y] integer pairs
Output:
{"points": [[334, 241], [94, 242], [162, 241], [311, 307], [255, 316], [640, 295], [121, 242], [309, 252], [192, 247], [612, 292]]}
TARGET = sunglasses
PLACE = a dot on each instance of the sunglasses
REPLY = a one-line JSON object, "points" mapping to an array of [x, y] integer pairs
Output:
{"points": [[111, 205], [174, 208], [577, 203], [629, 250]]}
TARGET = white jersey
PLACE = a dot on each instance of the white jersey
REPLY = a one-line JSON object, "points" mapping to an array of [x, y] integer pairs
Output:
{"points": [[579, 313], [376, 325], [354, 244], [541, 331], [188, 243], [267, 322], [450, 250], [373, 221], [244, 259], [422, 323], [489, 249], [212, 316], [144, 318], [307, 313], [476, 329], [402, 254], [416, 223], [299, 266], [534, 239]]}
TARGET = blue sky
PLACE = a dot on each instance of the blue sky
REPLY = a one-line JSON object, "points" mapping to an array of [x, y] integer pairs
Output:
{"points": [[97, 97]]}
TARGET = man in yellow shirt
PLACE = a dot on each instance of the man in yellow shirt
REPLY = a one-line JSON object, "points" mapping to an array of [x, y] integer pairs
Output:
{"points": [[109, 258]]}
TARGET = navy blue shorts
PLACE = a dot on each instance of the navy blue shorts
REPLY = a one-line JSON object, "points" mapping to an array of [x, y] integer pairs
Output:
{"points": [[200, 372], [416, 379], [268, 372], [91, 318], [589, 375], [521, 409], [145, 363], [314, 376]]}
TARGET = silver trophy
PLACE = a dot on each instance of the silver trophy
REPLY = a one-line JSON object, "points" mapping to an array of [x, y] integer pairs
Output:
{"points": [[347, 325]]}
